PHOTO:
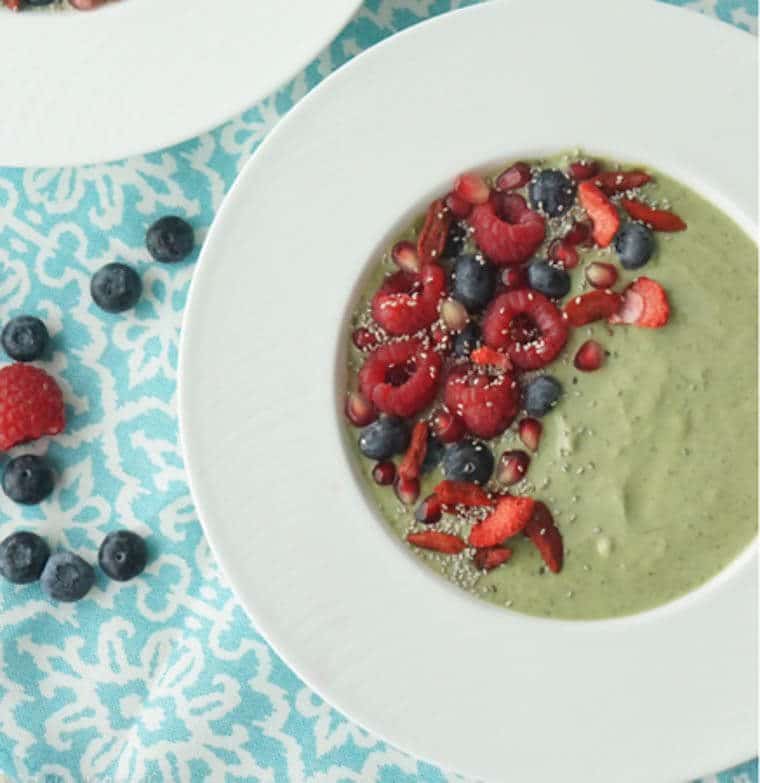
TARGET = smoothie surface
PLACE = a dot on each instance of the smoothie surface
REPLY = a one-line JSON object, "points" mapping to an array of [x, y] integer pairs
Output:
{"points": [[649, 465]]}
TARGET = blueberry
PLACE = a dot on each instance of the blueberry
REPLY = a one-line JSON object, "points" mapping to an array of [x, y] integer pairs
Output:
{"points": [[551, 192], [28, 479], [455, 239], [66, 577], [115, 287], [22, 557], [474, 282], [384, 438], [541, 394], [634, 245], [468, 461], [433, 455], [170, 239], [25, 338], [548, 280], [123, 555], [467, 340]]}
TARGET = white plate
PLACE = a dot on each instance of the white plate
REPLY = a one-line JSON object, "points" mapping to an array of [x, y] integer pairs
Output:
{"points": [[138, 75], [663, 696]]}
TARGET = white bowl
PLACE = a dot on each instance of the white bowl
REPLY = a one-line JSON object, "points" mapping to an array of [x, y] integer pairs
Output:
{"points": [[662, 696], [138, 75]]}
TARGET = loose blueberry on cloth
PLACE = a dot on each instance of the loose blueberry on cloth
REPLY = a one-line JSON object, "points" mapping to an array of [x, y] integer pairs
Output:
{"points": [[163, 677]]}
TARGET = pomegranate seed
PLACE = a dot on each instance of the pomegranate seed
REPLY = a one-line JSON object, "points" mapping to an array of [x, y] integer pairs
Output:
{"points": [[601, 275], [363, 339], [384, 473], [472, 188], [512, 467], [514, 277], [429, 511], [491, 557], [359, 410], [405, 257], [530, 433], [407, 490], [458, 206], [441, 338], [583, 169], [579, 234], [590, 356], [454, 314], [447, 427], [564, 254], [514, 177]]}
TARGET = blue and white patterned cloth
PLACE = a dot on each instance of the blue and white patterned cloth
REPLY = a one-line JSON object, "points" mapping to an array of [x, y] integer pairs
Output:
{"points": [[163, 678]]}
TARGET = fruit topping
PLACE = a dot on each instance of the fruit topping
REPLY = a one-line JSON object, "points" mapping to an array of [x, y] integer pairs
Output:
{"points": [[583, 169], [658, 219], [363, 339], [384, 438], [507, 239], [407, 303], [564, 254], [467, 341], [545, 536], [541, 394], [435, 231], [489, 357], [645, 303], [461, 493], [602, 212], [454, 315], [612, 182], [601, 275], [359, 411], [530, 431], [589, 357], [512, 467], [548, 280], [634, 244], [401, 378], [516, 176], [592, 306], [474, 281], [472, 188], [433, 454], [409, 467], [447, 427], [491, 557], [446, 543], [551, 192], [468, 461], [429, 511], [407, 490], [487, 404], [404, 255], [514, 277], [458, 206], [384, 473], [510, 517], [527, 325]]}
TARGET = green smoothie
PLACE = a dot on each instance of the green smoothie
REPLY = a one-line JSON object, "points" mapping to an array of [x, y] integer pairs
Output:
{"points": [[649, 464]]}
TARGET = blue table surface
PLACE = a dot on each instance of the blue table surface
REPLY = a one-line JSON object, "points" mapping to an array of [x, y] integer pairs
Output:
{"points": [[163, 678]]}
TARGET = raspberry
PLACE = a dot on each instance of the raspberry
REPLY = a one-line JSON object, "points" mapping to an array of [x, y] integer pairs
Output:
{"points": [[31, 405], [527, 325], [401, 378], [407, 303], [508, 240], [486, 404]]}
